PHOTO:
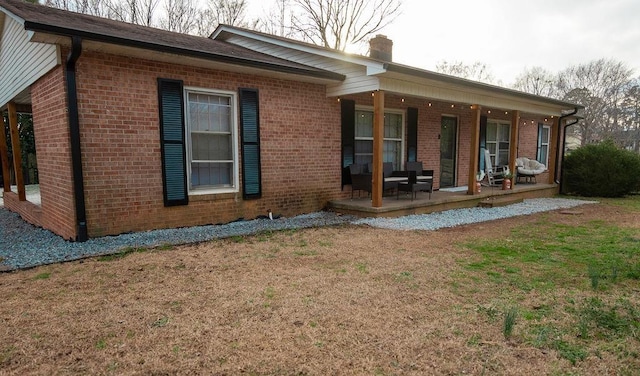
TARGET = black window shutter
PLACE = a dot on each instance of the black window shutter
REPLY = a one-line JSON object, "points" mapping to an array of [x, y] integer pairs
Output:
{"points": [[250, 130], [172, 142], [483, 140], [348, 118], [412, 134], [540, 130]]}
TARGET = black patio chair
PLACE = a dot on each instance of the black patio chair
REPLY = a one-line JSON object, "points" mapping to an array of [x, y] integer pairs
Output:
{"points": [[413, 185], [360, 181]]}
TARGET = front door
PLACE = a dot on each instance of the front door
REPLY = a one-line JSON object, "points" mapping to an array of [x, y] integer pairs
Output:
{"points": [[448, 151]]}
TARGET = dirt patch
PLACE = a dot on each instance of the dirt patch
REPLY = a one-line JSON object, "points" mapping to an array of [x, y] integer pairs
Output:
{"points": [[346, 300]]}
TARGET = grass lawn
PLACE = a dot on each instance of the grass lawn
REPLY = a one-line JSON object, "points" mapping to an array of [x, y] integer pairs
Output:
{"points": [[554, 293]]}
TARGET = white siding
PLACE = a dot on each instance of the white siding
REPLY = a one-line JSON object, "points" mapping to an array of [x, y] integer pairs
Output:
{"points": [[357, 80], [21, 62]]}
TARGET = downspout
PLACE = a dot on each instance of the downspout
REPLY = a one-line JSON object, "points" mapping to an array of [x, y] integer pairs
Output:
{"points": [[74, 135], [559, 153]]}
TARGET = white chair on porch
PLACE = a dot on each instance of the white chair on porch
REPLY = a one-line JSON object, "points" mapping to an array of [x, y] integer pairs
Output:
{"points": [[493, 174]]}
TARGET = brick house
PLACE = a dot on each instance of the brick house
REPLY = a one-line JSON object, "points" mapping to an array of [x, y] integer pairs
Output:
{"points": [[138, 128]]}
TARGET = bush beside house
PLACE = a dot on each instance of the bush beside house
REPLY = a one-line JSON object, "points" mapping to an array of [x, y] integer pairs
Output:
{"points": [[602, 170]]}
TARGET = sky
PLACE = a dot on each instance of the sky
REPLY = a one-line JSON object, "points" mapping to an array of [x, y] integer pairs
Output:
{"points": [[511, 35]]}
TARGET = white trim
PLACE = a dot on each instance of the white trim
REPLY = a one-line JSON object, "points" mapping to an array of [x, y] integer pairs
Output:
{"points": [[402, 139], [376, 66], [457, 154], [507, 123], [539, 144], [234, 136]]}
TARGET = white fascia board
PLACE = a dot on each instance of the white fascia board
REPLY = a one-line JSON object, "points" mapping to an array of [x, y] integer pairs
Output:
{"points": [[375, 70], [13, 16], [373, 67]]}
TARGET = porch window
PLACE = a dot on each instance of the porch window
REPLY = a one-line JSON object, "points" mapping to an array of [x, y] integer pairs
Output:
{"points": [[393, 137], [497, 141], [211, 149], [544, 135]]}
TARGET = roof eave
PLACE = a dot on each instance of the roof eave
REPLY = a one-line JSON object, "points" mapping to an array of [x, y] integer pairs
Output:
{"points": [[61, 31], [403, 69]]}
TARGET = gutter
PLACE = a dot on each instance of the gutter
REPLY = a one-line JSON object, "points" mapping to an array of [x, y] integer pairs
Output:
{"points": [[560, 154], [74, 135]]}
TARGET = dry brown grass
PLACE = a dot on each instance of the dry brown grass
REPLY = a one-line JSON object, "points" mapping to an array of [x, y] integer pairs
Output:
{"points": [[348, 300]]}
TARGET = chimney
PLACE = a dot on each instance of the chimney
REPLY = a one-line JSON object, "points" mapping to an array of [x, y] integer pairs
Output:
{"points": [[381, 48]]}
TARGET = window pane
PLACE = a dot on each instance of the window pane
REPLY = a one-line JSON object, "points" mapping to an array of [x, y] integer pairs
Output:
{"points": [[504, 132], [364, 146], [210, 147], [545, 135], [503, 158], [364, 124], [393, 126], [492, 131], [392, 153], [544, 153], [364, 159], [211, 174], [210, 124]]}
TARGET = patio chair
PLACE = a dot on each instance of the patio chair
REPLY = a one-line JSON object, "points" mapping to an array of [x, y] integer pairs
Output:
{"points": [[493, 175], [527, 169], [387, 171], [421, 175], [360, 181], [413, 185]]}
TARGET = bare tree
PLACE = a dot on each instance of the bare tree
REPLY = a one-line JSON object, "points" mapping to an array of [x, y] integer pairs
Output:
{"points": [[139, 12], [599, 86], [538, 81], [477, 71], [278, 20], [340, 23], [228, 12], [181, 16], [629, 136]]}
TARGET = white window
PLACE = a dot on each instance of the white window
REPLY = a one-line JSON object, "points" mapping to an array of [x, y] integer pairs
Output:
{"points": [[212, 163], [393, 137], [498, 138], [544, 135]]}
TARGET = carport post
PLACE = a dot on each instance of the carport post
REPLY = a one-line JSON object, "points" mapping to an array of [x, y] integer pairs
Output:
{"points": [[4, 157], [17, 153]]}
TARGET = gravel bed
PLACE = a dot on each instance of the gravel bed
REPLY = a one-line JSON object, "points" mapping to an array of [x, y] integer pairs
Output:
{"points": [[23, 245], [457, 217]]}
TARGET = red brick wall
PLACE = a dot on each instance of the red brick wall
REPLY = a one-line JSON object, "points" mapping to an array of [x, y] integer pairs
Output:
{"points": [[300, 143], [528, 145], [51, 130], [118, 102]]}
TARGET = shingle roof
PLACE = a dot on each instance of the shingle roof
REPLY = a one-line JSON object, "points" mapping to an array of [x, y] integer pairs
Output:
{"points": [[44, 19]]}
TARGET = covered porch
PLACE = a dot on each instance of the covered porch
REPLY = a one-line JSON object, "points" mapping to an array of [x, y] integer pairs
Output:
{"points": [[440, 200], [489, 122]]}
